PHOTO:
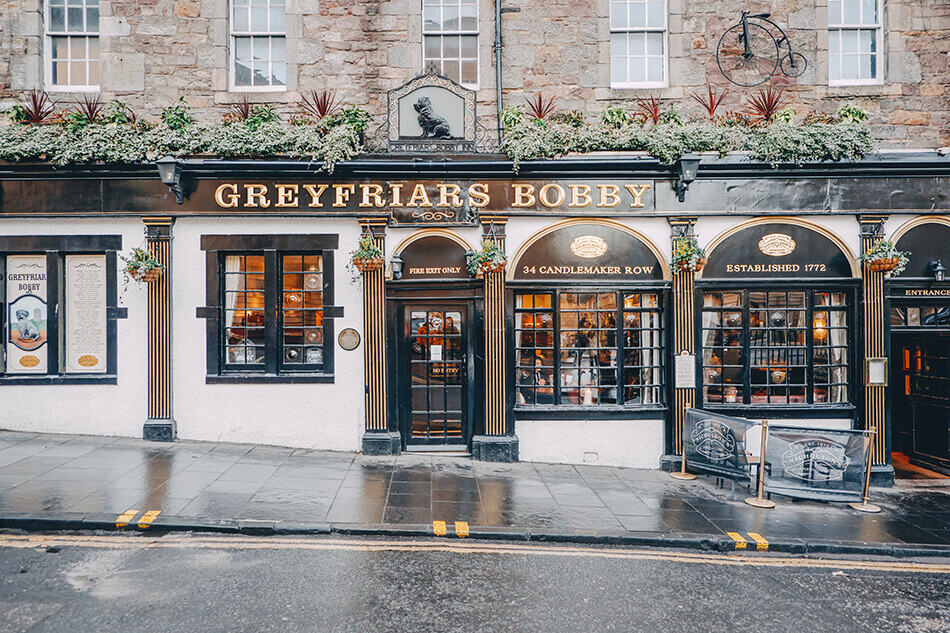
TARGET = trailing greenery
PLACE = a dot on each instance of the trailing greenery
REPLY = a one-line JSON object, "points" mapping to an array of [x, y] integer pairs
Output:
{"points": [[116, 136], [777, 141], [687, 254]]}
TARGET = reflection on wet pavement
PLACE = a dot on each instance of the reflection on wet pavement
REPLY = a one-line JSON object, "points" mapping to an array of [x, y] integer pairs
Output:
{"points": [[77, 474]]}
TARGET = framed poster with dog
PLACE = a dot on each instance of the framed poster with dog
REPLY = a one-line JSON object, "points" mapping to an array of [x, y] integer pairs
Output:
{"points": [[27, 331]]}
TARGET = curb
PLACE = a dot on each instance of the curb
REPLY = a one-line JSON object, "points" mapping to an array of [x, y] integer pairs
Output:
{"points": [[703, 542]]}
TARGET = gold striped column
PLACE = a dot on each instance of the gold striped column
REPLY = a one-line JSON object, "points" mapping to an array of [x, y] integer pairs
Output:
{"points": [[498, 442], [160, 425], [684, 330], [872, 232], [377, 437]]}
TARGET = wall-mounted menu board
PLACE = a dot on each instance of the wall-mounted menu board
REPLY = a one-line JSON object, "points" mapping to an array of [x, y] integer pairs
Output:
{"points": [[27, 332], [85, 334]]}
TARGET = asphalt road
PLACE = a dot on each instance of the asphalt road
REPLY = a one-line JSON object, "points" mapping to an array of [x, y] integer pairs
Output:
{"points": [[222, 583]]}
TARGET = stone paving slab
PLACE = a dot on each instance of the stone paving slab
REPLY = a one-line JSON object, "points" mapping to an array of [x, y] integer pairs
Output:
{"points": [[84, 481]]}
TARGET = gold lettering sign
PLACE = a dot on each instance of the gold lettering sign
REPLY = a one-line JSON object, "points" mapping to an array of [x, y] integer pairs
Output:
{"points": [[589, 246], [88, 360], [29, 360], [777, 244]]}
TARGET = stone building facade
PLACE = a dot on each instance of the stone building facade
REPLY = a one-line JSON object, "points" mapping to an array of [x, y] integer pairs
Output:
{"points": [[153, 51]]}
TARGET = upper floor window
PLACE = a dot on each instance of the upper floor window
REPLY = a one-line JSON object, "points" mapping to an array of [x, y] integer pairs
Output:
{"points": [[258, 45], [450, 39], [854, 41], [638, 43], [72, 45]]}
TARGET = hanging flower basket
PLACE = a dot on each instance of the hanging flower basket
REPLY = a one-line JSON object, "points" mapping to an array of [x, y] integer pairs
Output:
{"points": [[364, 264], [491, 258], [142, 266], [883, 257], [687, 255]]}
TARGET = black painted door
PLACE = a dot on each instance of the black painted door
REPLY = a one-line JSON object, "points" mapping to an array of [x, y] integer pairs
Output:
{"points": [[435, 391], [921, 408]]}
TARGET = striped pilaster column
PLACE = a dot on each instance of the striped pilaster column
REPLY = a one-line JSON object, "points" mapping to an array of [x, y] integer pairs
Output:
{"points": [[377, 437], [160, 425], [684, 330], [498, 442], [872, 282]]}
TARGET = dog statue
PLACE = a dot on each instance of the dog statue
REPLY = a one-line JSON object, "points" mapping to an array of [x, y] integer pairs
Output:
{"points": [[431, 123]]}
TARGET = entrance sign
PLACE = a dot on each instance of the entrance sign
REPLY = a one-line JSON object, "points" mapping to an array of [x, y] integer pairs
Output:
{"points": [[716, 444], [820, 464], [85, 313], [777, 250], [27, 331], [588, 252]]}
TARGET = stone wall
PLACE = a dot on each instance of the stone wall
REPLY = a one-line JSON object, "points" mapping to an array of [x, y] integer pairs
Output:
{"points": [[153, 51]]}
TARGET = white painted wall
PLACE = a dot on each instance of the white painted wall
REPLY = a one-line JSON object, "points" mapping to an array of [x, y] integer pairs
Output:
{"points": [[629, 443], [326, 416], [118, 409]]}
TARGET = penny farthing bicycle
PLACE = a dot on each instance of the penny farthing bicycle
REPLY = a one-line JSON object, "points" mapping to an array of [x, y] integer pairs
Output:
{"points": [[748, 53]]}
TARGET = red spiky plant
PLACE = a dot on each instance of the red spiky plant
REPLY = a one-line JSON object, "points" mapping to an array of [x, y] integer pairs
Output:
{"points": [[710, 101], [240, 111], [650, 108], [36, 108], [763, 106], [89, 109], [540, 108], [319, 104]]}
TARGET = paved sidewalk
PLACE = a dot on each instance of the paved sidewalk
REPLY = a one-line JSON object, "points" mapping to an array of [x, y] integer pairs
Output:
{"points": [[71, 482]]}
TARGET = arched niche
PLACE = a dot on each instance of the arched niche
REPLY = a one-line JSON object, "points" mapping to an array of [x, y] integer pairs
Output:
{"points": [[926, 239], [433, 255], [778, 248], [588, 250]]}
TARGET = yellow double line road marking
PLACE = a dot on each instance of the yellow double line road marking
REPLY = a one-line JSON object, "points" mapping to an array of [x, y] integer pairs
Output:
{"points": [[121, 541]]}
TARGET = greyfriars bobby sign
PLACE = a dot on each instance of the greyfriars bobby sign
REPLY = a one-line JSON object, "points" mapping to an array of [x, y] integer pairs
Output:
{"points": [[431, 113]]}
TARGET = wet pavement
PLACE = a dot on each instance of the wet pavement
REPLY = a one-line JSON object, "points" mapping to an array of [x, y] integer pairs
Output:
{"points": [[52, 475]]}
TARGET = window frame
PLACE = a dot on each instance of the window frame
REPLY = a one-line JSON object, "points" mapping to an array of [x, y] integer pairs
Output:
{"points": [[55, 248], [558, 410], [665, 30], [233, 35], [790, 410], [272, 248], [460, 32], [877, 27], [49, 34]]}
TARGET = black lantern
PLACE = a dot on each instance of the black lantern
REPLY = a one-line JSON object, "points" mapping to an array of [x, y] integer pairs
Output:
{"points": [[688, 169], [169, 170], [938, 270], [396, 264]]}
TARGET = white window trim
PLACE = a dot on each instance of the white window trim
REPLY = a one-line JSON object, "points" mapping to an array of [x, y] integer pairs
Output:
{"points": [[879, 42], [475, 32], [48, 84], [625, 85], [232, 87]]}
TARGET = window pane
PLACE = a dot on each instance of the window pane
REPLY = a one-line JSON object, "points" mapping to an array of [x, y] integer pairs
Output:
{"points": [[433, 46], [869, 12], [852, 11], [57, 19], [277, 20], [469, 46], [92, 20], [637, 12], [259, 19], [277, 48], [74, 21], [450, 47], [241, 23], [432, 19], [655, 14], [260, 47], [469, 17]]}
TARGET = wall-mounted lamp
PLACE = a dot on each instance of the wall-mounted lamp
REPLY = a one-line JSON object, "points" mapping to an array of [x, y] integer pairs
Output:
{"points": [[938, 270], [688, 168], [169, 170], [396, 264]]}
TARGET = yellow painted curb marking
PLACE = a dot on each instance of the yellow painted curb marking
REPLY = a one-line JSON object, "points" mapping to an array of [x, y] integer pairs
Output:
{"points": [[740, 542], [148, 517], [760, 543], [438, 528], [461, 529], [123, 519]]}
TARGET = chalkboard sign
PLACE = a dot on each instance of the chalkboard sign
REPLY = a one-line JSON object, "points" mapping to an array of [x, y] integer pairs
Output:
{"points": [[820, 464], [715, 444]]}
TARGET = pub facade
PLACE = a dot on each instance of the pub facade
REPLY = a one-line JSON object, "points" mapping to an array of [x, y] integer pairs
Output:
{"points": [[587, 347]]}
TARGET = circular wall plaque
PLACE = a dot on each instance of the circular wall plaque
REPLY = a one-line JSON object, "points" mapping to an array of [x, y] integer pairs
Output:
{"points": [[349, 339]]}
